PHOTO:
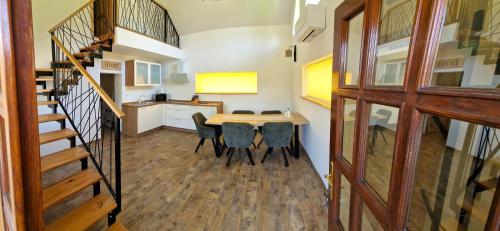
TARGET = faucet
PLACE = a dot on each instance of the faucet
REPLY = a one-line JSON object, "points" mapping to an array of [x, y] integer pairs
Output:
{"points": [[140, 98]]}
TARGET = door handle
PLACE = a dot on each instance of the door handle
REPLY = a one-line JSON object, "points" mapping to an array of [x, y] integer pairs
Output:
{"points": [[330, 181]]}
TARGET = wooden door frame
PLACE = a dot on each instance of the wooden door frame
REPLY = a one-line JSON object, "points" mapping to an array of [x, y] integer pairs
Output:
{"points": [[412, 99], [18, 53]]}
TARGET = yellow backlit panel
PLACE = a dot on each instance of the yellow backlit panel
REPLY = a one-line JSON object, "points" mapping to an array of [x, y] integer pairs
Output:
{"points": [[226, 83], [319, 79]]}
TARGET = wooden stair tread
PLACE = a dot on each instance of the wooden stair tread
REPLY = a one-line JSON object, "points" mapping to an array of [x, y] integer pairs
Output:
{"points": [[489, 183], [57, 159], [51, 117], [117, 226], [101, 41], [44, 90], [47, 102], [56, 135], [43, 69], [84, 216], [44, 79], [69, 186], [90, 48]]}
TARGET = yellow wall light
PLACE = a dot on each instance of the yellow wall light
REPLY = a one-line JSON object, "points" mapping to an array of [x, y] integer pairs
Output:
{"points": [[317, 81], [226, 83]]}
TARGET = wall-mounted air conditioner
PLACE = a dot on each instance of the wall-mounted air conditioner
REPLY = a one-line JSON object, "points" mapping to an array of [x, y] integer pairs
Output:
{"points": [[310, 24]]}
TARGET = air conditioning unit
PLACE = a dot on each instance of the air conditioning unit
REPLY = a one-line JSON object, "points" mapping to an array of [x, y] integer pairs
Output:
{"points": [[310, 23]]}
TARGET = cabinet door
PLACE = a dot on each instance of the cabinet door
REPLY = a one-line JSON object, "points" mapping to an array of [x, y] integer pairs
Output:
{"points": [[141, 73], [155, 74], [142, 121], [156, 116], [206, 111]]}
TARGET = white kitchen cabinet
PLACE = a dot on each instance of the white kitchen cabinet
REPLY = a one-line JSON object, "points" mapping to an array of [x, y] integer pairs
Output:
{"points": [[177, 115], [205, 110], [142, 73], [140, 118], [149, 117]]}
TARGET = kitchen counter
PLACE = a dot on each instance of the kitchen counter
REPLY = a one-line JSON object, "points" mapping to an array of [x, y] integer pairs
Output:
{"points": [[148, 115]]}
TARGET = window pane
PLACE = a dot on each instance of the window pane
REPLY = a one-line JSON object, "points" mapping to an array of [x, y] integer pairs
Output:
{"points": [[368, 221], [468, 53], [354, 41], [348, 129], [380, 147], [395, 28], [345, 199], [457, 173]]}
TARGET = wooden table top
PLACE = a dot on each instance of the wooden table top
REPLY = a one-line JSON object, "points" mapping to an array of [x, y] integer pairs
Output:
{"points": [[256, 119]]}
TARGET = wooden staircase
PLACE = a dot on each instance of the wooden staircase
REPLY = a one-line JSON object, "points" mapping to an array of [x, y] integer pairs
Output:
{"points": [[100, 205]]}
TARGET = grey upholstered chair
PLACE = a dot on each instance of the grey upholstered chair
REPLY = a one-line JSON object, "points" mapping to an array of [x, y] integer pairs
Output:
{"points": [[381, 124], [238, 135], [277, 135], [243, 112], [270, 112], [206, 132]]}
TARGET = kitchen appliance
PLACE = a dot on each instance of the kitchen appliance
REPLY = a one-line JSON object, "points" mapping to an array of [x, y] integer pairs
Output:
{"points": [[161, 97]]}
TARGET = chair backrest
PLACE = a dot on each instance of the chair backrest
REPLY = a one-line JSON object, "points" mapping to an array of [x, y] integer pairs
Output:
{"points": [[277, 134], [199, 121], [387, 115], [271, 112], [243, 112], [238, 135]]}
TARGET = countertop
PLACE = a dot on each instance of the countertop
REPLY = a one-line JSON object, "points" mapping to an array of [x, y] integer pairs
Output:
{"points": [[179, 102]]}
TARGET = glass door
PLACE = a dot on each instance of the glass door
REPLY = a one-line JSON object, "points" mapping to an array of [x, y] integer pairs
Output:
{"points": [[415, 135]]}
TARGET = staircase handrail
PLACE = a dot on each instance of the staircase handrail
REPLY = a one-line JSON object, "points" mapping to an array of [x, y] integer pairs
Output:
{"points": [[105, 97]]}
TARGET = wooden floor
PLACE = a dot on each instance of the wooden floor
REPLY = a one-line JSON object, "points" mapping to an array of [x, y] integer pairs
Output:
{"points": [[166, 186]]}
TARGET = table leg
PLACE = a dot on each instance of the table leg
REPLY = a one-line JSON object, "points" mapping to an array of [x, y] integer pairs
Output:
{"points": [[296, 142]]}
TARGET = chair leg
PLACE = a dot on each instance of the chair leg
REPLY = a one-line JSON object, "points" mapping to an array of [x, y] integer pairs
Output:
{"points": [[249, 153], [284, 156], [269, 150], [202, 140], [383, 136], [216, 148], [230, 153], [289, 151], [258, 145]]}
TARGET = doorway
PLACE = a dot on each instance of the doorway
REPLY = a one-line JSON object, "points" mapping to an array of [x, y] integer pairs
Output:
{"points": [[411, 148], [108, 85]]}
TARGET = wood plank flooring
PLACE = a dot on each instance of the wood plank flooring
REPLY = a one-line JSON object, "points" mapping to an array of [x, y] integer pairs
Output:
{"points": [[166, 186]]}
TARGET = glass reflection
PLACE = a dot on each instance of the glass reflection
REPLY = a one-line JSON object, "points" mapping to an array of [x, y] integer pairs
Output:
{"points": [[456, 176], [348, 129], [380, 147]]}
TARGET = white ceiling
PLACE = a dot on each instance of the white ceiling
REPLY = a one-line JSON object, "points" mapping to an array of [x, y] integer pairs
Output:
{"points": [[191, 16]]}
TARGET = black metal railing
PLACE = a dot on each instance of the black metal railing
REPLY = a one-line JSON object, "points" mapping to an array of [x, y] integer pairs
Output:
{"points": [[82, 30], [76, 41], [93, 115], [148, 18], [397, 22]]}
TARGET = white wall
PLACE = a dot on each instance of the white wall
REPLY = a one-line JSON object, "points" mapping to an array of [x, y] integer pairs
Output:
{"points": [[260, 49], [315, 137], [47, 14]]}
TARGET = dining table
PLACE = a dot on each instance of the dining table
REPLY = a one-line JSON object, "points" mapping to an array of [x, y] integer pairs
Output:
{"points": [[258, 120]]}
